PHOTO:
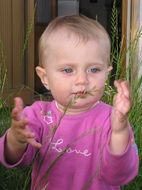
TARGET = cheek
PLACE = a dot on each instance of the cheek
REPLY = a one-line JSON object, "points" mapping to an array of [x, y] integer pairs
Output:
{"points": [[104, 77], [59, 88], [100, 80]]}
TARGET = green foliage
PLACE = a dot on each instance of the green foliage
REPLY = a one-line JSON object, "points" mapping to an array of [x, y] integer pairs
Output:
{"points": [[17, 178], [28, 32], [118, 57], [3, 72], [13, 179]]}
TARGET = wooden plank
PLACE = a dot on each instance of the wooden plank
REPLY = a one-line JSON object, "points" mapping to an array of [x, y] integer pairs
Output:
{"points": [[124, 29], [24, 93], [17, 42], [54, 9], [30, 70], [135, 25], [135, 17], [14, 16], [6, 36], [124, 21]]}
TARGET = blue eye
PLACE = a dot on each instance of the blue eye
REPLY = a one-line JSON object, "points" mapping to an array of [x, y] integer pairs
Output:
{"points": [[67, 70], [93, 70]]}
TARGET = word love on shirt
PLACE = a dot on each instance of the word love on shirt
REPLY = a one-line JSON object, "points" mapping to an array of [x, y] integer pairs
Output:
{"points": [[57, 147]]}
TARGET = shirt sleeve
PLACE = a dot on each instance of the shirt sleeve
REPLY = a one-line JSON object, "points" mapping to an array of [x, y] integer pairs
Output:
{"points": [[26, 158], [31, 112], [121, 168]]}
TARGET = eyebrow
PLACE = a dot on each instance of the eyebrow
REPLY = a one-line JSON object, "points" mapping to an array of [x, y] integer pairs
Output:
{"points": [[96, 63]]}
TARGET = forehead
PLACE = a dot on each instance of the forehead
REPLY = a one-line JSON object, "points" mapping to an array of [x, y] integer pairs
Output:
{"points": [[80, 55], [66, 39], [63, 34], [75, 35]]}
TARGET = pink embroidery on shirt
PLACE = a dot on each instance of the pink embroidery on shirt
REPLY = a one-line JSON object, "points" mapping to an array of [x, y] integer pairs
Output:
{"points": [[56, 146], [47, 117]]}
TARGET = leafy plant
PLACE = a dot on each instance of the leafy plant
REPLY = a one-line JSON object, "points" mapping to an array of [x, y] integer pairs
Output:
{"points": [[14, 179], [118, 58], [3, 72]]}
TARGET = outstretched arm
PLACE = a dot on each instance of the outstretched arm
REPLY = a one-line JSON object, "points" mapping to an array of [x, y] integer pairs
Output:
{"points": [[120, 156], [119, 123], [18, 135]]}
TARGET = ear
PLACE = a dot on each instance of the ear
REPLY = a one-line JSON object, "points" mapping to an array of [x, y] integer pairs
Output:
{"points": [[43, 76], [110, 68]]}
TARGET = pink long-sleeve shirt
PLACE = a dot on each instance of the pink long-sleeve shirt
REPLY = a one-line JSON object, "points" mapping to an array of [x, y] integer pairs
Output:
{"points": [[75, 152]]}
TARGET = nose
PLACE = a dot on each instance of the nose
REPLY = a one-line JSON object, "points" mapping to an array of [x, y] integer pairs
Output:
{"points": [[81, 78]]}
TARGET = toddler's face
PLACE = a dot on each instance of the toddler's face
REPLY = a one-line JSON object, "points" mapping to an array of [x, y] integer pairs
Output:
{"points": [[75, 70]]}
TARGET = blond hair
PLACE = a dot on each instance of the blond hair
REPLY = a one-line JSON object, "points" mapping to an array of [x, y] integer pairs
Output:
{"points": [[83, 27]]}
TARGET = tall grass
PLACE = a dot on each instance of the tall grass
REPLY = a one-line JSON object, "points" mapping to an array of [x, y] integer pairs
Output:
{"points": [[118, 58], [4, 112], [14, 179]]}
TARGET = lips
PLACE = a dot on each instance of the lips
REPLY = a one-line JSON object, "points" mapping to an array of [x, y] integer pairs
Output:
{"points": [[80, 94]]}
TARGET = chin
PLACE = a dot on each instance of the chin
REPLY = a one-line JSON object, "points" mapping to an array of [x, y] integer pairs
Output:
{"points": [[82, 105]]}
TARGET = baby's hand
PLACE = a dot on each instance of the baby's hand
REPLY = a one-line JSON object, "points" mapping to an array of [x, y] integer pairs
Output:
{"points": [[122, 100], [19, 127], [119, 122]]}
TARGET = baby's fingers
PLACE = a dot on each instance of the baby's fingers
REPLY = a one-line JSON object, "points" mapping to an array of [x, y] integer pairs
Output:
{"points": [[29, 137], [18, 107], [33, 142], [21, 124], [123, 87], [18, 103], [126, 89], [117, 84]]}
